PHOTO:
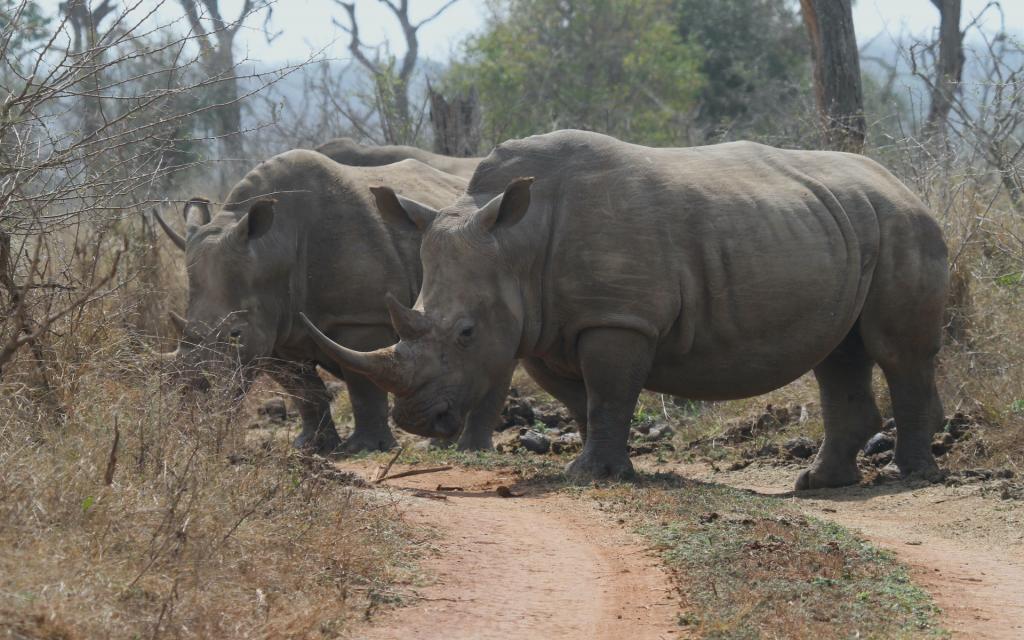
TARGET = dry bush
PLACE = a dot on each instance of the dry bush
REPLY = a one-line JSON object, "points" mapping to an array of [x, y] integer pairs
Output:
{"points": [[181, 528]]}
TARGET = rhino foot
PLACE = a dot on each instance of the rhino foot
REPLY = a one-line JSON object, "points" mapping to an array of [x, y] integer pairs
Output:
{"points": [[827, 478], [358, 442], [590, 466], [322, 443], [923, 468]]}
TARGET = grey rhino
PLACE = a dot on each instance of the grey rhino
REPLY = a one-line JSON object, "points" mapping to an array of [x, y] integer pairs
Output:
{"points": [[300, 232], [714, 272], [348, 151]]}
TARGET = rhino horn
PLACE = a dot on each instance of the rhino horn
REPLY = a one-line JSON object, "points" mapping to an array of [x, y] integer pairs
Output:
{"points": [[197, 214], [409, 323], [381, 366], [171, 233], [178, 322]]}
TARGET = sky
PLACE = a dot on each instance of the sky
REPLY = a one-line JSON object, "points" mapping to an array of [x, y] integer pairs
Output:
{"points": [[306, 25]]}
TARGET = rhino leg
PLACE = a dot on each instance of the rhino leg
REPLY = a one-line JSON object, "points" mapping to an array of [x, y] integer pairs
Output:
{"points": [[615, 364], [314, 405], [370, 411], [485, 416], [571, 393], [851, 416]]}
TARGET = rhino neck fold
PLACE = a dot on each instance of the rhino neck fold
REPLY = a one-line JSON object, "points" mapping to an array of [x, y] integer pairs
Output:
{"points": [[533, 241]]}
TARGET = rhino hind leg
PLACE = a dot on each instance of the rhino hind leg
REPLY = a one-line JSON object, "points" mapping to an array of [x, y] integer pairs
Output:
{"points": [[370, 412], [850, 414], [318, 433], [615, 364]]}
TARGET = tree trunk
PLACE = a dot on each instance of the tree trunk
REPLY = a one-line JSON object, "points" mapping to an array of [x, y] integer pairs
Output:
{"points": [[837, 86], [948, 68], [456, 124]]}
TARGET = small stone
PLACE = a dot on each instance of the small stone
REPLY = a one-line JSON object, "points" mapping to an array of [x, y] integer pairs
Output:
{"points": [[889, 425], [567, 443], [878, 443], [535, 441], [958, 425], [942, 443], [274, 410], [880, 459], [800, 448]]}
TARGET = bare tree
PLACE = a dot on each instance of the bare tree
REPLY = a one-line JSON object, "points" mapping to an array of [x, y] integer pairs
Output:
{"points": [[85, 19], [837, 82], [949, 66], [456, 123], [216, 47], [391, 84]]}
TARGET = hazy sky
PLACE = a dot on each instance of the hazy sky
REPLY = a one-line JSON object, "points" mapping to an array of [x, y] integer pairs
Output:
{"points": [[306, 24]]}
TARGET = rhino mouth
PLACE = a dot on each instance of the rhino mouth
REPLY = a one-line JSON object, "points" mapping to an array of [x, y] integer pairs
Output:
{"points": [[438, 421]]}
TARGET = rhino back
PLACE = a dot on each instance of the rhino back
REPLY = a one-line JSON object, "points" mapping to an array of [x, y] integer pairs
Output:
{"points": [[348, 151], [340, 256], [747, 264]]}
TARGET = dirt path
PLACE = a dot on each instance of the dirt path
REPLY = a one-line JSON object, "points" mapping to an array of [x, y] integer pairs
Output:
{"points": [[536, 566], [965, 549]]}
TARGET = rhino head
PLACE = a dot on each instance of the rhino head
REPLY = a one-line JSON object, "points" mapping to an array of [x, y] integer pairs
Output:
{"points": [[461, 337], [235, 302]]}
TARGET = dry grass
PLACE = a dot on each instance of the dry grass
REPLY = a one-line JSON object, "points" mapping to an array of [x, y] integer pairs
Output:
{"points": [[198, 534]]}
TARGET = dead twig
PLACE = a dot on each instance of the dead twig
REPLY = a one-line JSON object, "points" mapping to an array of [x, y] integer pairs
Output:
{"points": [[383, 471], [108, 477], [413, 472]]}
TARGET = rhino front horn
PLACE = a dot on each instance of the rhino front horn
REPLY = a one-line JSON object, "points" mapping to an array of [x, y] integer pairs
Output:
{"points": [[409, 323], [380, 366]]}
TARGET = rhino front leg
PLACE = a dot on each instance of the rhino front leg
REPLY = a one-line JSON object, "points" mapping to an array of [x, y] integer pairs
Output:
{"points": [[615, 364], [302, 383], [484, 418], [571, 393], [370, 412]]}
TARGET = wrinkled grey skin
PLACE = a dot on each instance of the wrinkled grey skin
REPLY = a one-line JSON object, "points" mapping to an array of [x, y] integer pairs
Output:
{"points": [[320, 247], [714, 272], [348, 151]]}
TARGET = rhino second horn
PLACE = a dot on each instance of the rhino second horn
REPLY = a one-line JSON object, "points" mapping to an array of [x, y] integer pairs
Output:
{"points": [[380, 366], [408, 323], [178, 322], [171, 233]]}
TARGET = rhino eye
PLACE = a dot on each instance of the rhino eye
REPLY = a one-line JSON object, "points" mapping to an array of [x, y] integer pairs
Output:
{"points": [[465, 335], [235, 334]]}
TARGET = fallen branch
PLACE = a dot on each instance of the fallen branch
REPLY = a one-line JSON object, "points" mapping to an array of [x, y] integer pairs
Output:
{"points": [[108, 477], [414, 472], [383, 471]]}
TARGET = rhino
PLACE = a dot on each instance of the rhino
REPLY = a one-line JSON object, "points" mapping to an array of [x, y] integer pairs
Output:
{"points": [[348, 151], [715, 272], [300, 233]]}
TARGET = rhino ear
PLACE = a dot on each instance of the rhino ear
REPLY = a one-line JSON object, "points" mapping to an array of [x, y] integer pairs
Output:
{"points": [[402, 212], [258, 221], [507, 209]]}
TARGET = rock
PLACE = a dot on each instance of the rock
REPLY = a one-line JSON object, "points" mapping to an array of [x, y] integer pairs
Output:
{"points": [[767, 451], [517, 413], [567, 443], [958, 425], [535, 441], [800, 448], [660, 433], [889, 426], [880, 459], [942, 443], [274, 410], [878, 443]]}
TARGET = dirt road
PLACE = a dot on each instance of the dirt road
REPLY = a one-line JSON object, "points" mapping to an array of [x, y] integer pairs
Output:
{"points": [[965, 549], [543, 565], [535, 566]]}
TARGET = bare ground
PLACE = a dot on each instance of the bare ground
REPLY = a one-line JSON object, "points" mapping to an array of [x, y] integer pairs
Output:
{"points": [[964, 548], [537, 565]]}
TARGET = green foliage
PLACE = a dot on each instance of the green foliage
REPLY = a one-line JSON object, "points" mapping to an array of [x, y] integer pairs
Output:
{"points": [[616, 66], [756, 64]]}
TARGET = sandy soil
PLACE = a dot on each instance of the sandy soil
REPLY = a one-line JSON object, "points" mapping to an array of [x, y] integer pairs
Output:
{"points": [[535, 566], [542, 565], [965, 549]]}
